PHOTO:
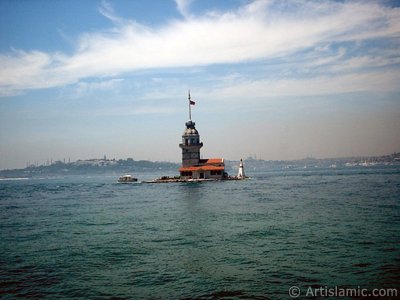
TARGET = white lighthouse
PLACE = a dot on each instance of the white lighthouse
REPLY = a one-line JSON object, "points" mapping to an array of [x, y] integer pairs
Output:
{"points": [[241, 170]]}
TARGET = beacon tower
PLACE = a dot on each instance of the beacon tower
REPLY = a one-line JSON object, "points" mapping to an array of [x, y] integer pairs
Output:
{"points": [[191, 145], [192, 165]]}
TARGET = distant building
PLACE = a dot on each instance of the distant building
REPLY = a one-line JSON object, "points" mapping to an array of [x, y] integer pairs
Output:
{"points": [[192, 166]]}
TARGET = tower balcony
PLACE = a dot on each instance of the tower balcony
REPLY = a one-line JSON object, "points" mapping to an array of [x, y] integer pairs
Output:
{"points": [[199, 145]]}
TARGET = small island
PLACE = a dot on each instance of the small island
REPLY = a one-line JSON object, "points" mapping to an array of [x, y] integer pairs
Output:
{"points": [[194, 168]]}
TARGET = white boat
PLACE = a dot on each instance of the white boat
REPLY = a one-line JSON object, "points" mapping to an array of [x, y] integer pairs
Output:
{"points": [[126, 179]]}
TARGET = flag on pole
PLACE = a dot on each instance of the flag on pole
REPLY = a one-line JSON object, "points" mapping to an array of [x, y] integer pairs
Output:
{"points": [[190, 100], [190, 105]]}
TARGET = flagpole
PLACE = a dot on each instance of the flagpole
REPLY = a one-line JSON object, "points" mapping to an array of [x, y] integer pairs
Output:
{"points": [[190, 110]]}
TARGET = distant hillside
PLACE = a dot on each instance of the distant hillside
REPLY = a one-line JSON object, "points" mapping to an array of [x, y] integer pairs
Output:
{"points": [[92, 166], [107, 166], [259, 164]]}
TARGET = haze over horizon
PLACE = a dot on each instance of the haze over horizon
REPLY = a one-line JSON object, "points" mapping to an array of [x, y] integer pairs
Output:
{"points": [[279, 79]]}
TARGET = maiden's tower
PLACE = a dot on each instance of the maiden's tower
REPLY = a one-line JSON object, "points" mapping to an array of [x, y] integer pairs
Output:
{"points": [[193, 167]]}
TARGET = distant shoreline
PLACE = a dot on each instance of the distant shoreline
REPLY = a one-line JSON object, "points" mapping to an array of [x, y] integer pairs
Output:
{"points": [[113, 166]]}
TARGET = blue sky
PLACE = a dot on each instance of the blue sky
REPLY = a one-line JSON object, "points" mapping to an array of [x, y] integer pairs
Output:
{"points": [[275, 79]]}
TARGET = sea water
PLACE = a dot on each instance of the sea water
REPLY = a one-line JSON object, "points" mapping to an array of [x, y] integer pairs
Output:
{"points": [[92, 238]]}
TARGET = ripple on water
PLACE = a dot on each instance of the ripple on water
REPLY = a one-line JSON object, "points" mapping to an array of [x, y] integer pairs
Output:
{"points": [[223, 240]]}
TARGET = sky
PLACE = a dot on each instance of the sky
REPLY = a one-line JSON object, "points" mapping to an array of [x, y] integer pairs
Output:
{"points": [[271, 79]]}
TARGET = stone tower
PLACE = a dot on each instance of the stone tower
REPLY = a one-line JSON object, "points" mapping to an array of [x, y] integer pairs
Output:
{"points": [[190, 145], [190, 141]]}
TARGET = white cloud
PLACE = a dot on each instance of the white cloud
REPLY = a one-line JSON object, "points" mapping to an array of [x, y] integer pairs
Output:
{"points": [[107, 11], [22, 70], [183, 7], [259, 30], [132, 111], [365, 61], [84, 88], [239, 90]]}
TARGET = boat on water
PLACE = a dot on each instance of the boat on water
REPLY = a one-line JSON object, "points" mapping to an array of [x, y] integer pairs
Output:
{"points": [[127, 179]]}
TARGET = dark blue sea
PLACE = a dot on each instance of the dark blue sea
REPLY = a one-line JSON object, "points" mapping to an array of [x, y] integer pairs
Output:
{"points": [[83, 237]]}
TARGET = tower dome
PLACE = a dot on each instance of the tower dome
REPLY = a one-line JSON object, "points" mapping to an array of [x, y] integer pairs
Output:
{"points": [[190, 131]]}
